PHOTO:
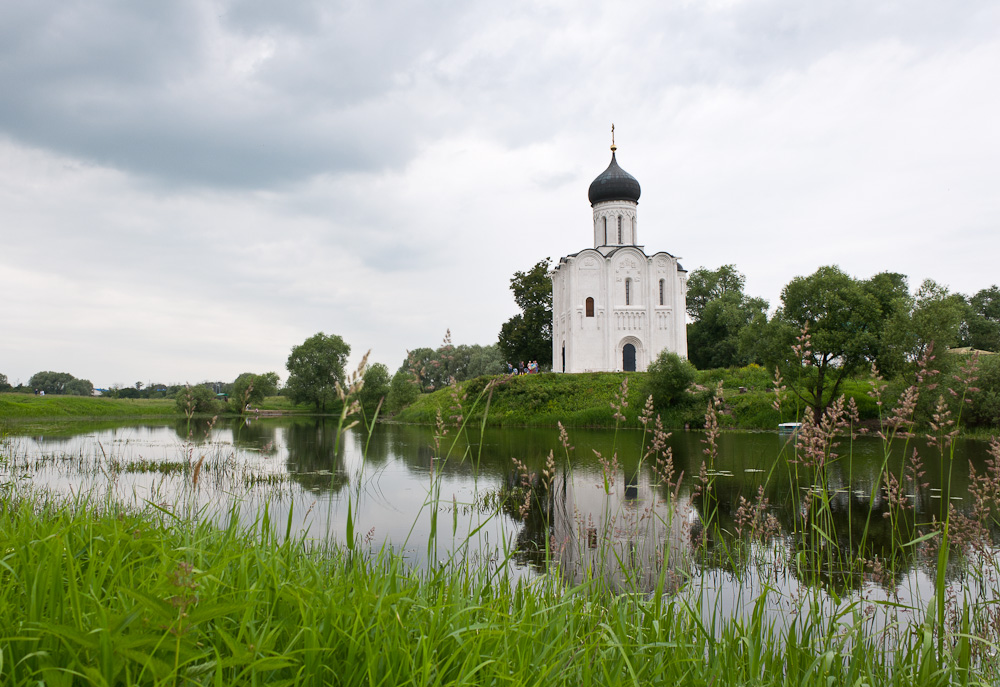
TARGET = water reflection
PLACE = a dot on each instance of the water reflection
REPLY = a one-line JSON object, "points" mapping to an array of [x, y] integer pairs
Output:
{"points": [[623, 528]]}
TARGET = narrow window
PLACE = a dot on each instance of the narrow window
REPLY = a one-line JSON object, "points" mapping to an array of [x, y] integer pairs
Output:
{"points": [[661, 292], [590, 307], [619, 228], [605, 231], [632, 225], [628, 292]]}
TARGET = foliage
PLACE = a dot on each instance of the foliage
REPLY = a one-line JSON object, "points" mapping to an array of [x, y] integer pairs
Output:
{"points": [[403, 390], [375, 389], [668, 379], [982, 329], [838, 321], [720, 311], [61, 383], [4, 384], [196, 400], [250, 389], [705, 285], [435, 368], [315, 368], [528, 335]]}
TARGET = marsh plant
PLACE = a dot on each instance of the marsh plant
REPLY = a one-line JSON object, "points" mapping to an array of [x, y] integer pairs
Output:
{"points": [[630, 561]]}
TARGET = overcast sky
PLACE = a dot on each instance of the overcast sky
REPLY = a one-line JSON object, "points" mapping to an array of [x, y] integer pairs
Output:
{"points": [[190, 188]]}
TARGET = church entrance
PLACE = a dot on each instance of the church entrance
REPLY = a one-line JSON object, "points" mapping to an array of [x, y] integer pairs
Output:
{"points": [[628, 358]]}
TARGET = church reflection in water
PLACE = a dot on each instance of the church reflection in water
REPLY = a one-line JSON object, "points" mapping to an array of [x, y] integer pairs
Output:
{"points": [[624, 535]]}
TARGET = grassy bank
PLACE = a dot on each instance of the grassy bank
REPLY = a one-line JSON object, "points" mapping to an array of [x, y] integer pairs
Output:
{"points": [[17, 407], [90, 594], [584, 400], [23, 406]]}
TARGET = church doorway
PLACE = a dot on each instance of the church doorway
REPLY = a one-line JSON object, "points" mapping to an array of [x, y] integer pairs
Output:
{"points": [[628, 358]]}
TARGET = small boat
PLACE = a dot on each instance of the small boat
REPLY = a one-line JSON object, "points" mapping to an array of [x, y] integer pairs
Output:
{"points": [[789, 427]]}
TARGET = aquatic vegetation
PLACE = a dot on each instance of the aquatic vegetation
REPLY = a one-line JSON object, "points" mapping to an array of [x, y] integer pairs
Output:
{"points": [[643, 574]]}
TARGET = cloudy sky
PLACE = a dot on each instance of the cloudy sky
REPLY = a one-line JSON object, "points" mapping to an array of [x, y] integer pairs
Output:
{"points": [[190, 188]]}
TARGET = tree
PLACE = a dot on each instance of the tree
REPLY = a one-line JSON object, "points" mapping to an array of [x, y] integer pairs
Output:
{"points": [[842, 321], [403, 390], [983, 326], [374, 389], [60, 383], [315, 367], [196, 400], [250, 389], [528, 335], [4, 384], [705, 286], [668, 378], [720, 311]]}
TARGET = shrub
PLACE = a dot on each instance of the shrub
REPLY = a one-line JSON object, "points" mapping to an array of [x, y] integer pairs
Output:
{"points": [[196, 400], [668, 379]]}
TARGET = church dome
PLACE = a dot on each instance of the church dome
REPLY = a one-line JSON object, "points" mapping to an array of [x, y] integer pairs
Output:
{"points": [[614, 183]]}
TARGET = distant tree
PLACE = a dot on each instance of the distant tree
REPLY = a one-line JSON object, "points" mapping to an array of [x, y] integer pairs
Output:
{"points": [[435, 368], [196, 400], [250, 389], [983, 325], [403, 390], [720, 311], [374, 389], [4, 384], [528, 335], [60, 383], [668, 378], [843, 321], [705, 285], [315, 367], [892, 294]]}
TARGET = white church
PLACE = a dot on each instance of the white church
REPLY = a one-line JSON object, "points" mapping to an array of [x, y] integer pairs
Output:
{"points": [[615, 308]]}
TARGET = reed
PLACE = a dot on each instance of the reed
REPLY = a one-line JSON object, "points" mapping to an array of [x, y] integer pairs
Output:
{"points": [[95, 593]]}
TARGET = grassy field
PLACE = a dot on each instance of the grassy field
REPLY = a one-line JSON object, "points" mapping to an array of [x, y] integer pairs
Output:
{"points": [[18, 407], [25, 406], [584, 400]]}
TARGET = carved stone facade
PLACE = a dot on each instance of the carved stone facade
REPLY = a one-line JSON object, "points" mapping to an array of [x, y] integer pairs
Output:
{"points": [[614, 307]]}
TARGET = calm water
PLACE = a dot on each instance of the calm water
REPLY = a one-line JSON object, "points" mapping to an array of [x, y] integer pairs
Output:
{"points": [[616, 522]]}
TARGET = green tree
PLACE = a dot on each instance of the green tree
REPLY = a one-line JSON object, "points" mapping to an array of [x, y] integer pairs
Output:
{"points": [[315, 367], [705, 285], [196, 400], [60, 383], [250, 389], [983, 326], [843, 321], [374, 389], [403, 390], [528, 335], [4, 384], [892, 293], [668, 378]]}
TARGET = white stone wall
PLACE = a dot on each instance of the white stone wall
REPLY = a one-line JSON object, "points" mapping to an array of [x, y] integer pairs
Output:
{"points": [[593, 344]]}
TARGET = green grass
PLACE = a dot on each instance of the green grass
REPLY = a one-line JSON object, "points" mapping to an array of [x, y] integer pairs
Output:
{"points": [[92, 594], [20, 406], [584, 400]]}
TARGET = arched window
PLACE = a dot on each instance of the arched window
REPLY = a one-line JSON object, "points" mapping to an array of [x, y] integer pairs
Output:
{"points": [[632, 224], [605, 231], [628, 292], [590, 307], [619, 228], [661, 292]]}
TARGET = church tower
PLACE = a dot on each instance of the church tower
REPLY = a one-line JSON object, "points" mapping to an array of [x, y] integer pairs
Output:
{"points": [[614, 308]]}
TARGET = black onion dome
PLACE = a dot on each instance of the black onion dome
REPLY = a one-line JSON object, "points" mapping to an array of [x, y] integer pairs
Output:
{"points": [[614, 183]]}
